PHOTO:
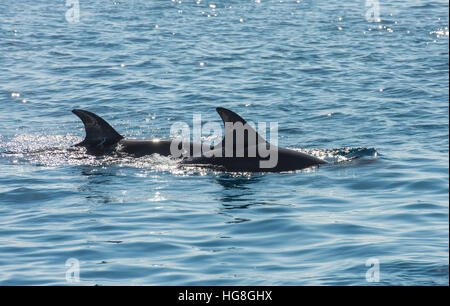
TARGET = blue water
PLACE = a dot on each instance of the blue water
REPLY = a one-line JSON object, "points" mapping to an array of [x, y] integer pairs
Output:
{"points": [[340, 86]]}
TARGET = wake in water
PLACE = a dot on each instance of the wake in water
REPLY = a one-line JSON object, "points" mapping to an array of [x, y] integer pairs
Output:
{"points": [[57, 150]]}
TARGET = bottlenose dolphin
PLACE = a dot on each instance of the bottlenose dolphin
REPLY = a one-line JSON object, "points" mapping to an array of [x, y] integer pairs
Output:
{"points": [[256, 154], [241, 150], [101, 138]]}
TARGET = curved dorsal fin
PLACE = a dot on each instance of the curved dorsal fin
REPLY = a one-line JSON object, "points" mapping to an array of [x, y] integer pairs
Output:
{"points": [[98, 132], [233, 118]]}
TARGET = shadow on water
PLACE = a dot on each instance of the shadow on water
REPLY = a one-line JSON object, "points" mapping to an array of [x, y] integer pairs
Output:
{"points": [[236, 188], [231, 182], [237, 194], [97, 179]]}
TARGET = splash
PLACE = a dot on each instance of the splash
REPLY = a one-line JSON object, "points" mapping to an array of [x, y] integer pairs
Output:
{"points": [[54, 151], [341, 154]]}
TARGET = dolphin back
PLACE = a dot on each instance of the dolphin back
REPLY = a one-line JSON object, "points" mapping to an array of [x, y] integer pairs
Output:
{"points": [[99, 134]]}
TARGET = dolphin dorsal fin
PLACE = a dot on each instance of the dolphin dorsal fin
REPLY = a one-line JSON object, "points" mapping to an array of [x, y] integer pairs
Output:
{"points": [[98, 132], [233, 118]]}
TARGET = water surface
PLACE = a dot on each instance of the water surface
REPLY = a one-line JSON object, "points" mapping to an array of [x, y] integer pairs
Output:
{"points": [[338, 85]]}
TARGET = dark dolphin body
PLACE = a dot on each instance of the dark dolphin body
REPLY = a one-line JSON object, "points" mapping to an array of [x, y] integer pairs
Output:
{"points": [[101, 138], [287, 160]]}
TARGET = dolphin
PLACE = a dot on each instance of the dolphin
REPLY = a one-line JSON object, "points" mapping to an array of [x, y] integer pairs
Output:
{"points": [[248, 153], [255, 156], [101, 139]]}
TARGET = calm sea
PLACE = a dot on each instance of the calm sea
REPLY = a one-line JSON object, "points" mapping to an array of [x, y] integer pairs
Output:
{"points": [[343, 79]]}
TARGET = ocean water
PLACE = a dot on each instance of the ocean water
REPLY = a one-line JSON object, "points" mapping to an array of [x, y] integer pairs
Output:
{"points": [[363, 84]]}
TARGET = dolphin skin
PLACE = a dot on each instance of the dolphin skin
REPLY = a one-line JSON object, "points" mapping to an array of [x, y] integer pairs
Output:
{"points": [[241, 150], [101, 139], [256, 153]]}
